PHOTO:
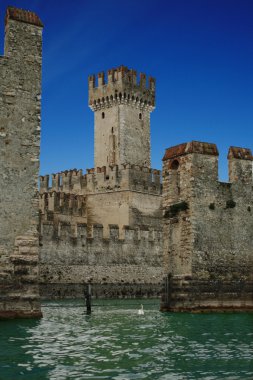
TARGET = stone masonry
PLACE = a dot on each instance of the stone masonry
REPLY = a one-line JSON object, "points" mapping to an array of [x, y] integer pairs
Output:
{"points": [[208, 229], [104, 226], [122, 109], [20, 94], [118, 266]]}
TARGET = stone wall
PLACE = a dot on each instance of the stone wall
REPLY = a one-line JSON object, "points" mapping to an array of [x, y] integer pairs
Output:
{"points": [[20, 94], [125, 195], [208, 229], [103, 179], [127, 263]]}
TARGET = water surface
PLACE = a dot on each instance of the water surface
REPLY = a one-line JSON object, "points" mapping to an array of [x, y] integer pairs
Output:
{"points": [[114, 342]]}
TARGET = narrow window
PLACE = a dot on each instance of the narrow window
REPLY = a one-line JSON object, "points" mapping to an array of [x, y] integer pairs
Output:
{"points": [[140, 116], [103, 115], [112, 130]]}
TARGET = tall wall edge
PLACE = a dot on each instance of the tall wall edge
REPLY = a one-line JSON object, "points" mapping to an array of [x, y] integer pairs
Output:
{"points": [[20, 109]]}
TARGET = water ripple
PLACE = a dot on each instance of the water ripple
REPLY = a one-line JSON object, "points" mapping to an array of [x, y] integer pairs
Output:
{"points": [[115, 343]]}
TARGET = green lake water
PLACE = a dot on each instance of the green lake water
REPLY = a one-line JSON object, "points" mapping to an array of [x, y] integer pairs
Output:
{"points": [[114, 342]]}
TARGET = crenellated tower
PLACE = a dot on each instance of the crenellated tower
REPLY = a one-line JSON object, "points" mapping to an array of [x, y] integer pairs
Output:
{"points": [[122, 107], [118, 201]]}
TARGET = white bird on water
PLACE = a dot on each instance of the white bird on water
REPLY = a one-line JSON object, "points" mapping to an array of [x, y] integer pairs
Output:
{"points": [[141, 311]]}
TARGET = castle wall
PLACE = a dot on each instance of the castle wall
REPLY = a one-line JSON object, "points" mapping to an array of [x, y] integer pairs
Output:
{"points": [[60, 206], [127, 263], [208, 228], [20, 94], [110, 208], [123, 195]]}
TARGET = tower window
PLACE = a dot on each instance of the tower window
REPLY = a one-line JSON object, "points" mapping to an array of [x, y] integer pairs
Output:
{"points": [[112, 130], [140, 116], [103, 115]]}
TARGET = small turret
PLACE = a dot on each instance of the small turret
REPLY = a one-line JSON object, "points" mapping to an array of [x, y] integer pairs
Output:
{"points": [[240, 164], [23, 30], [186, 164]]}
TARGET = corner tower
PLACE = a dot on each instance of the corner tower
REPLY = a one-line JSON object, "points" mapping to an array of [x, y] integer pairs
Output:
{"points": [[122, 107]]}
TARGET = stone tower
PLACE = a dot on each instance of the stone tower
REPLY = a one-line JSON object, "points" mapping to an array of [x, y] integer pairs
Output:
{"points": [[122, 109], [208, 228], [20, 94]]}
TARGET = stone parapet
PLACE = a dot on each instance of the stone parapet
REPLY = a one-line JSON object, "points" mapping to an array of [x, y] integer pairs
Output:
{"points": [[189, 148], [103, 179], [121, 88], [22, 15], [80, 254], [67, 231]]}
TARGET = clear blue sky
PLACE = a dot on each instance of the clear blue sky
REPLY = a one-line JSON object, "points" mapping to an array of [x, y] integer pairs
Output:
{"points": [[199, 51]]}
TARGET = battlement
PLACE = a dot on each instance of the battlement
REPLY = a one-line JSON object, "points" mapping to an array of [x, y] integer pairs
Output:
{"points": [[23, 37], [66, 181], [80, 253], [84, 233], [191, 147], [121, 87], [239, 161], [240, 153], [192, 166], [207, 149], [103, 179], [60, 202], [22, 15]]}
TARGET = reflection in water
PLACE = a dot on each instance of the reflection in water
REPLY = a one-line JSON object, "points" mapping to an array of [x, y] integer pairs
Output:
{"points": [[117, 343]]}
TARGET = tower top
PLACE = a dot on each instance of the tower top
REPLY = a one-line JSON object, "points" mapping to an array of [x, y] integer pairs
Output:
{"points": [[22, 15], [191, 147], [123, 87], [240, 153]]}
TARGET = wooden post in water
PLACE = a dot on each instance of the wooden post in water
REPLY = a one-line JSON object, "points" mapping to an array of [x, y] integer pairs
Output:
{"points": [[168, 289], [88, 298]]}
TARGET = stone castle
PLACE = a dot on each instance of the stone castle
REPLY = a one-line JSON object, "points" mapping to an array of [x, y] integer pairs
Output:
{"points": [[115, 226], [105, 226]]}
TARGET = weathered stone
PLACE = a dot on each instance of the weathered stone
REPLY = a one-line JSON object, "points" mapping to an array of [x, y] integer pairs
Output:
{"points": [[133, 259], [120, 191], [210, 246], [19, 110]]}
